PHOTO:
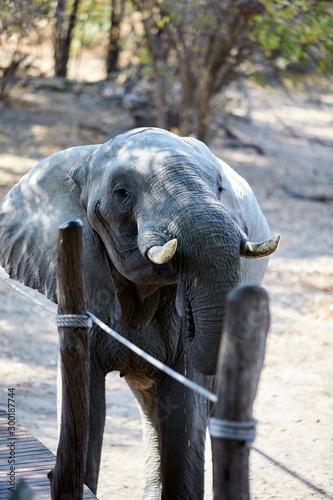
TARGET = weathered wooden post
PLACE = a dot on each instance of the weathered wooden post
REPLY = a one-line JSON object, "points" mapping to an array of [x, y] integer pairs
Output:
{"points": [[241, 357], [67, 477]]}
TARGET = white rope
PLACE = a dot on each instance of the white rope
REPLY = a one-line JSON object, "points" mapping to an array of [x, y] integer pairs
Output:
{"points": [[226, 429]]}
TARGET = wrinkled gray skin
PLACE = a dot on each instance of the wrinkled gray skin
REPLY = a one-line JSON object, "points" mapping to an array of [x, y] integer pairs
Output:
{"points": [[139, 190]]}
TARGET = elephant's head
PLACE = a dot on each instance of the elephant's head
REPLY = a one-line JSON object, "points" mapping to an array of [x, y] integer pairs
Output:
{"points": [[158, 210]]}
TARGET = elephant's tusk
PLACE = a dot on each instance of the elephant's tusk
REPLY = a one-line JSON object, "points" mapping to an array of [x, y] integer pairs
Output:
{"points": [[265, 248], [161, 255]]}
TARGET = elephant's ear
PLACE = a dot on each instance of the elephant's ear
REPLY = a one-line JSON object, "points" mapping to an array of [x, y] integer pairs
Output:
{"points": [[29, 219]]}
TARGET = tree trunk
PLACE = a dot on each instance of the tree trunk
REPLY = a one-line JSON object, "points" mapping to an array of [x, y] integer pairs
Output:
{"points": [[203, 109], [207, 89], [216, 70], [154, 45], [114, 49], [159, 83], [63, 36], [189, 101]]}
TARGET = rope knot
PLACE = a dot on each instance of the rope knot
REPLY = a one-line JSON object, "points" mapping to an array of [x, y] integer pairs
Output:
{"points": [[73, 320]]}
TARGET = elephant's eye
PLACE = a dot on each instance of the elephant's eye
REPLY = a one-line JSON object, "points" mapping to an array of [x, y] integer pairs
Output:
{"points": [[220, 189], [121, 193]]}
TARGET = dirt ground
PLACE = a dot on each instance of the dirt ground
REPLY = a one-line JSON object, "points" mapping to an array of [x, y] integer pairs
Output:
{"points": [[293, 179]]}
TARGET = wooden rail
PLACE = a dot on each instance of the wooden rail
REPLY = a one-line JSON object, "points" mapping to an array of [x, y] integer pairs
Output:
{"points": [[33, 461]]}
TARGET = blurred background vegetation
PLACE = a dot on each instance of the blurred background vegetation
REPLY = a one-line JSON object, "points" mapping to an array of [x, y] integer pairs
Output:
{"points": [[181, 54]]}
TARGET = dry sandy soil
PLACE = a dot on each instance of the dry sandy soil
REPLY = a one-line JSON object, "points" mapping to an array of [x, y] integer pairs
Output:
{"points": [[294, 404]]}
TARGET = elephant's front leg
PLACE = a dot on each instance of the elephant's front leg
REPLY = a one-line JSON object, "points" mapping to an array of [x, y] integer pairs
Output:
{"points": [[96, 424], [150, 426], [183, 418]]}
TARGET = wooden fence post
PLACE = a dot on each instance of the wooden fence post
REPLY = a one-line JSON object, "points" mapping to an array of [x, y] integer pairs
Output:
{"points": [[240, 361], [67, 477]]}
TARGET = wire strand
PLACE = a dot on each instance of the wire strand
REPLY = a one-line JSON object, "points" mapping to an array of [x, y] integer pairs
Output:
{"points": [[29, 297], [172, 373], [292, 473], [155, 362], [140, 352]]}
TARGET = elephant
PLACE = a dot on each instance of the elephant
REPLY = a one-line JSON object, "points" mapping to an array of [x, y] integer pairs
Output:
{"points": [[168, 230]]}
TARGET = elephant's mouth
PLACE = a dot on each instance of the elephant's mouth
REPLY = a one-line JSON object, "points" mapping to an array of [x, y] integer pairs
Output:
{"points": [[188, 326], [184, 309]]}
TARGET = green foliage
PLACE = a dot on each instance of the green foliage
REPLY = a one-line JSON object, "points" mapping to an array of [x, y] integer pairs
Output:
{"points": [[18, 16], [296, 31], [92, 24], [191, 17], [144, 56]]}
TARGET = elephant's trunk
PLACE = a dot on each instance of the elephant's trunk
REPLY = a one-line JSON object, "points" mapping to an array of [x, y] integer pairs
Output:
{"points": [[207, 274], [206, 257]]}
